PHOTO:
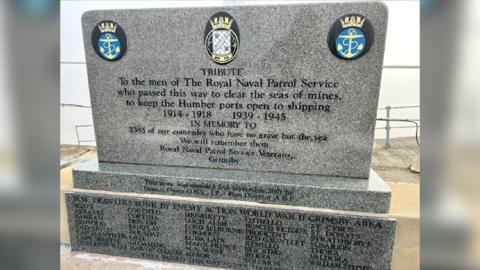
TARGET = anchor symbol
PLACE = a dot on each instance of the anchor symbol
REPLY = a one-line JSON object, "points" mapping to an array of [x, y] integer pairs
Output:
{"points": [[353, 47], [109, 47]]}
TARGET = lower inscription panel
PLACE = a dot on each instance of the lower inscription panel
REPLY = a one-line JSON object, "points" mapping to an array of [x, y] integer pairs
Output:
{"points": [[227, 235]]}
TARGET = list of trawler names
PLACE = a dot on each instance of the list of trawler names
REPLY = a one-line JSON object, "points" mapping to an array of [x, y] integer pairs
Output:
{"points": [[227, 236], [225, 117]]}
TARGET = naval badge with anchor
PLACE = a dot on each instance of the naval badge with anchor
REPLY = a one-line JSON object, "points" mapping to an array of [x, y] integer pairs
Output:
{"points": [[109, 40], [222, 38], [351, 37]]}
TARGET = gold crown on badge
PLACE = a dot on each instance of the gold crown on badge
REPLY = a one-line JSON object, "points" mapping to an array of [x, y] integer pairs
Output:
{"points": [[352, 21], [107, 27], [221, 22]]}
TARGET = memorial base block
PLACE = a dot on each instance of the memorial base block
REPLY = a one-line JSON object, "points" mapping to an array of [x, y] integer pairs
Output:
{"points": [[227, 234], [353, 194]]}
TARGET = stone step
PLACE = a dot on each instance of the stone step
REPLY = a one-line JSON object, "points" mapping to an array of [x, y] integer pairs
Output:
{"points": [[353, 194]]}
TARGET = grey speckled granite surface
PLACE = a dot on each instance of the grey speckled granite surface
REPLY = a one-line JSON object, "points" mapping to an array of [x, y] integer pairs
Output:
{"points": [[279, 42], [225, 183], [365, 195], [227, 235]]}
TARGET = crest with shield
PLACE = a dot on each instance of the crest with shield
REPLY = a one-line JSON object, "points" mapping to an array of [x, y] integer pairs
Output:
{"points": [[222, 38]]}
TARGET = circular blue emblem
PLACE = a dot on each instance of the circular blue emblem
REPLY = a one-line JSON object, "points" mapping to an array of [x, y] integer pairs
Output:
{"points": [[109, 46], [351, 37], [350, 43], [109, 41]]}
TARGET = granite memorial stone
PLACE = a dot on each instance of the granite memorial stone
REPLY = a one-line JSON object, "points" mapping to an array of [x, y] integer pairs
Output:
{"points": [[253, 88], [213, 125], [287, 120]]}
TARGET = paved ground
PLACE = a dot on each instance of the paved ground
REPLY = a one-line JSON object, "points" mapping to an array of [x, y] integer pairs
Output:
{"points": [[393, 164], [72, 154]]}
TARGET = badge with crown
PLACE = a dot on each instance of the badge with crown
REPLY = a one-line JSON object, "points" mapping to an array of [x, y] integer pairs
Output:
{"points": [[351, 36], [109, 40], [222, 38]]}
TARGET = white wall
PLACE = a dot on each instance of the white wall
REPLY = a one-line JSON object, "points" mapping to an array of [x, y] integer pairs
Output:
{"points": [[400, 82]]}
